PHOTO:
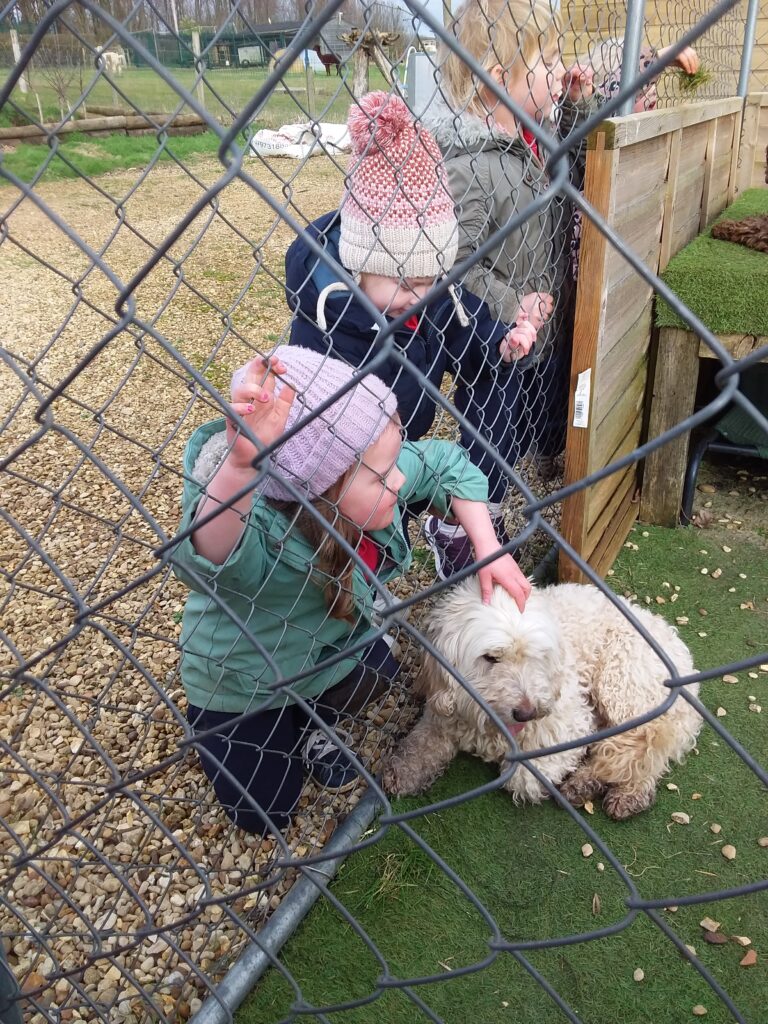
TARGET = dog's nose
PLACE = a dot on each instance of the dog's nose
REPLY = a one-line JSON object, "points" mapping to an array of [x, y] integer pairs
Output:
{"points": [[524, 712]]}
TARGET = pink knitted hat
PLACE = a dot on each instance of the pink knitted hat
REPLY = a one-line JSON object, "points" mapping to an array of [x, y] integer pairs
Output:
{"points": [[397, 216], [322, 451]]}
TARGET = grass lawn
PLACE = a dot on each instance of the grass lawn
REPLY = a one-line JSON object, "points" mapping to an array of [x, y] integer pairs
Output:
{"points": [[89, 156], [226, 90], [526, 867]]}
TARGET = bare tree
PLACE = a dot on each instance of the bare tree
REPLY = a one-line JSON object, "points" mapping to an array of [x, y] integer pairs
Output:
{"points": [[59, 62]]}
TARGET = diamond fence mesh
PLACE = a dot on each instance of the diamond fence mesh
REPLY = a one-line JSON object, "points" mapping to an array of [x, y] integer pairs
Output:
{"points": [[131, 299]]}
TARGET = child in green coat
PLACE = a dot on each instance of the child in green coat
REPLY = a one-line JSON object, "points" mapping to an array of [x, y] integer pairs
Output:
{"points": [[275, 627]]}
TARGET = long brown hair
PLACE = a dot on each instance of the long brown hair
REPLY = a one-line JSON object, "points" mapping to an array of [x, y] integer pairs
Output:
{"points": [[332, 563]]}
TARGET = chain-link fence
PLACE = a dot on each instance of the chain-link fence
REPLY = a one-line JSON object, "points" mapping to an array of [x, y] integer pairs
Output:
{"points": [[202, 695]]}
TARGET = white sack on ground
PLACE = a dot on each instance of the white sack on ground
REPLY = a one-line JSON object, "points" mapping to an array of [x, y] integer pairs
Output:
{"points": [[301, 140]]}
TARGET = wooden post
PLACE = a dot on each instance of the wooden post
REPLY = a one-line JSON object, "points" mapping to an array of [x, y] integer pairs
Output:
{"points": [[23, 83], [672, 401], [200, 87], [599, 189], [360, 72], [310, 76]]}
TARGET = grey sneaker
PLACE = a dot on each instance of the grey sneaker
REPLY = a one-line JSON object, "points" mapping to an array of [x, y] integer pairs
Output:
{"points": [[328, 763]]}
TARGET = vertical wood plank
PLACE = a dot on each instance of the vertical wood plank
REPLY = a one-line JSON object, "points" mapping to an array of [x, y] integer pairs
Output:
{"points": [[749, 132], [709, 160], [600, 191], [733, 173], [672, 400], [676, 142]]}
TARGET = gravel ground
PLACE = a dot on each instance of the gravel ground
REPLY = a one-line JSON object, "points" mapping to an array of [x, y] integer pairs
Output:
{"points": [[131, 891]]}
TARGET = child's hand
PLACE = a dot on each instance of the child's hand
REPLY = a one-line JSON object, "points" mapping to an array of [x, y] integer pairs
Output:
{"points": [[253, 398], [506, 573], [579, 82], [536, 307], [517, 342], [687, 59]]}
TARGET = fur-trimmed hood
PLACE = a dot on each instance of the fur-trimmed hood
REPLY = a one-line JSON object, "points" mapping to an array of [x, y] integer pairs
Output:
{"points": [[465, 131]]}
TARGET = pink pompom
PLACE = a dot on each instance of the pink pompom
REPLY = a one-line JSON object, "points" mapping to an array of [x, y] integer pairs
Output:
{"points": [[380, 117]]}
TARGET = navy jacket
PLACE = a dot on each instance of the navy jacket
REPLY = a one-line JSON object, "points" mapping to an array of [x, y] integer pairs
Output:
{"points": [[440, 344]]}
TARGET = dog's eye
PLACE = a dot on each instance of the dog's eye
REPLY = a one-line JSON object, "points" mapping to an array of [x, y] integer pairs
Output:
{"points": [[492, 659]]}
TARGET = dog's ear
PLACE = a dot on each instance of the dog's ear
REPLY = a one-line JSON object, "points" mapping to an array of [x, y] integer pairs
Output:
{"points": [[434, 684]]}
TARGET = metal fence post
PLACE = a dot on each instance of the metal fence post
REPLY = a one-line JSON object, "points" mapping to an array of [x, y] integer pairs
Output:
{"points": [[749, 45], [630, 60]]}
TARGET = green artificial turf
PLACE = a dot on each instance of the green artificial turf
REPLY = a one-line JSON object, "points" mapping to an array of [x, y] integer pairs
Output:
{"points": [[526, 866], [724, 284]]}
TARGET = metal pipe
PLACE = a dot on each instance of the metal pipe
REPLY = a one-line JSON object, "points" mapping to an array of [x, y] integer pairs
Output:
{"points": [[630, 59], [220, 1006], [749, 45]]}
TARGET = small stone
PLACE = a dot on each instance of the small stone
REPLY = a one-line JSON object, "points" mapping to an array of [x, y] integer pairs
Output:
{"points": [[707, 489], [717, 574], [730, 679], [702, 635], [742, 575], [587, 850], [699, 1010], [671, 786], [682, 620], [753, 675], [757, 708], [729, 852], [714, 827], [704, 572], [600, 866], [681, 818], [695, 796], [638, 974], [691, 949], [589, 807], [726, 549], [742, 940], [708, 924], [749, 959], [645, 533], [763, 841], [721, 712], [672, 910]]}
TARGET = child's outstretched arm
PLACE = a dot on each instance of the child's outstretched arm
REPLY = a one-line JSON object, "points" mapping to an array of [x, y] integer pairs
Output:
{"points": [[253, 399], [504, 571]]}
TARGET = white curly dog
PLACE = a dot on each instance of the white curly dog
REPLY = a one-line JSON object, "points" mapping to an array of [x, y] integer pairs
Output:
{"points": [[569, 665]]}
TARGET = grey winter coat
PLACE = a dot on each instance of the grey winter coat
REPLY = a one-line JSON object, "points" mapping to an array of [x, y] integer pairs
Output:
{"points": [[494, 176]]}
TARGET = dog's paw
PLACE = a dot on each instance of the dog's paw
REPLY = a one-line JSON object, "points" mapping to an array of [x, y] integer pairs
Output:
{"points": [[397, 780], [619, 805], [581, 787]]}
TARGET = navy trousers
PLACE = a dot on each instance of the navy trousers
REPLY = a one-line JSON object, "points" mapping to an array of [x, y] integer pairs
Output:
{"points": [[262, 752]]}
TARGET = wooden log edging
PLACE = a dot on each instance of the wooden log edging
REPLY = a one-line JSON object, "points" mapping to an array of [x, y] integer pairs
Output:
{"points": [[124, 123]]}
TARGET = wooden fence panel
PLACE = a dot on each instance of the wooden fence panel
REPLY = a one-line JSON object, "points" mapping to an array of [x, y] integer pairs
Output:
{"points": [[656, 178], [754, 142]]}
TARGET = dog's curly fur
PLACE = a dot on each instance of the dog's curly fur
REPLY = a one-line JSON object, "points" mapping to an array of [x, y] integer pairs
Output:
{"points": [[751, 231], [572, 663]]}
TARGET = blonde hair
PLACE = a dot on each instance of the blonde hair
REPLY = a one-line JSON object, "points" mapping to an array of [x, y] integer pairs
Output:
{"points": [[512, 33]]}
